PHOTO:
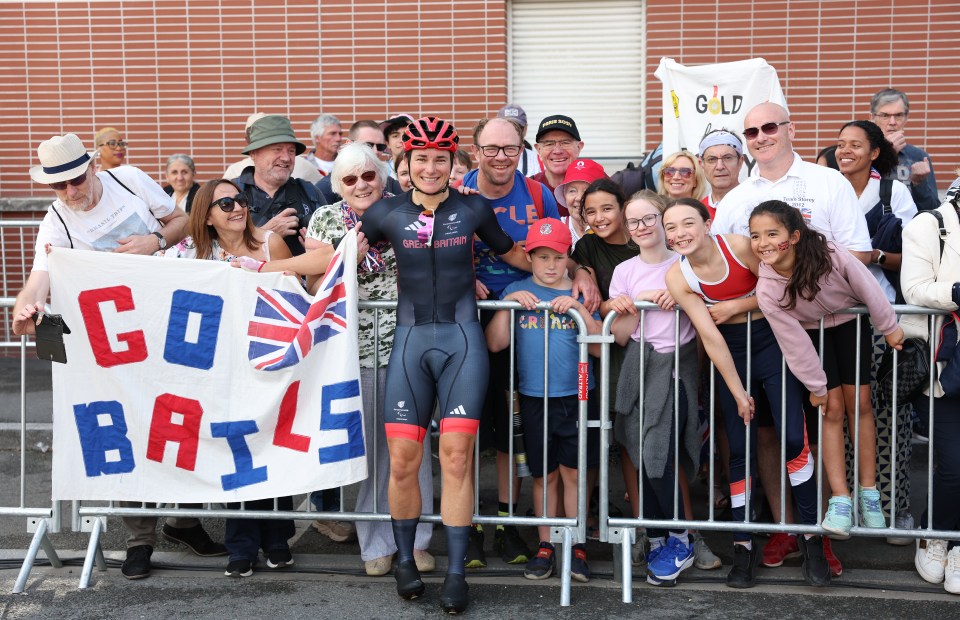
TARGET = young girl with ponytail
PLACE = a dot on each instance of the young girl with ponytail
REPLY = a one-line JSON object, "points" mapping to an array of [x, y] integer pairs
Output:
{"points": [[803, 278]]}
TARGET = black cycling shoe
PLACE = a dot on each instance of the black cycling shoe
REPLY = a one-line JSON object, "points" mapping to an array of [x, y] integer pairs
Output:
{"points": [[816, 571], [454, 596], [409, 584], [743, 572]]}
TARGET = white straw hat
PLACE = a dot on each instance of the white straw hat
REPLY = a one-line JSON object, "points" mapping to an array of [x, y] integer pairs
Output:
{"points": [[61, 158]]}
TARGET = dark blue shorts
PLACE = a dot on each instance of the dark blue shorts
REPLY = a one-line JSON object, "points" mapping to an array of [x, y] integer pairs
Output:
{"points": [[562, 432]]}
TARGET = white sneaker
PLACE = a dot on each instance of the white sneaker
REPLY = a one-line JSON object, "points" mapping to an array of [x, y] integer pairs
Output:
{"points": [[903, 522], [951, 580], [931, 559]]}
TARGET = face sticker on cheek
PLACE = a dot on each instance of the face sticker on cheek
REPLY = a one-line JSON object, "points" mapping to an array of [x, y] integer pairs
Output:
{"points": [[783, 246], [669, 243]]}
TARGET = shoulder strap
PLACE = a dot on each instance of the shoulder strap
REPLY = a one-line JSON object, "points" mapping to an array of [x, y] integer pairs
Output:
{"points": [[67, 230], [886, 194], [121, 183], [536, 192], [942, 235]]}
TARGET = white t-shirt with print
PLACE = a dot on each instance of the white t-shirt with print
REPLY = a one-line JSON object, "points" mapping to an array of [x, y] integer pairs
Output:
{"points": [[118, 214], [822, 195]]}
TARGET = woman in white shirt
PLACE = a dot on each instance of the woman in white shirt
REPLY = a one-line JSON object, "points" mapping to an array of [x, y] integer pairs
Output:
{"points": [[865, 157]]}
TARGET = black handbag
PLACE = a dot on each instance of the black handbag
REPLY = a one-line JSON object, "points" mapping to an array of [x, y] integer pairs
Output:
{"points": [[913, 370], [49, 338]]}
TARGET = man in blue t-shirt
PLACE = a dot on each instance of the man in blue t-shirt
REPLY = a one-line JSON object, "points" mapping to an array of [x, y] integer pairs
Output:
{"points": [[518, 203]]}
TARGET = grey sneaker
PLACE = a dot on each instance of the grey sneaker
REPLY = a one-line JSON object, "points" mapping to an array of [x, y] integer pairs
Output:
{"points": [[639, 552], [903, 522], [704, 558]]}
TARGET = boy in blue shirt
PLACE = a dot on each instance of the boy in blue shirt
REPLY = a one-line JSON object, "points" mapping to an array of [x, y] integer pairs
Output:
{"points": [[547, 246]]}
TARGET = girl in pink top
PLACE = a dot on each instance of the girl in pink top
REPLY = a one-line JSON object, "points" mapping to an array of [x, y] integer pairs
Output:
{"points": [[644, 278], [804, 279]]}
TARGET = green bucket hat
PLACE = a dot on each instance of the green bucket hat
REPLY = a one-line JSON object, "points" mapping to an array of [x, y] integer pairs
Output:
{"points": [[272, 129]]}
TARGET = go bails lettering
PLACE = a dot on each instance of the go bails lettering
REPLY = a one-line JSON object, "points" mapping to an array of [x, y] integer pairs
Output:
{"points": [[177, 419]]}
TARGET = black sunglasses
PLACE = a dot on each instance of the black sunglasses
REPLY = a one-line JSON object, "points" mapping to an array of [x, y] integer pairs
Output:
{"points": [[768, 128], [228, 203], [379, 147], [369, 176], [76, 182]]}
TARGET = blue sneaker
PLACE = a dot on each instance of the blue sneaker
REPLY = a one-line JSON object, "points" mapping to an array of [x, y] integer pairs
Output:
{"points": [[579, 569], [541, 565], [870, 513], [839, 517], [674, 558]]}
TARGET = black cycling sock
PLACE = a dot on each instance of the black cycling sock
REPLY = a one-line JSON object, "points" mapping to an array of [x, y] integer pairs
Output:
{"points": [[457, 538], [404, 534]]}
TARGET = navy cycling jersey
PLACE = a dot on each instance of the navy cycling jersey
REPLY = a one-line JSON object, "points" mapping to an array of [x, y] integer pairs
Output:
{"points": [[435, 282]]}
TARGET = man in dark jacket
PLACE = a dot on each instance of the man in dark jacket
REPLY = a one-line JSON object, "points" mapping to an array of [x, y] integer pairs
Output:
{"points": [[278, 202]]}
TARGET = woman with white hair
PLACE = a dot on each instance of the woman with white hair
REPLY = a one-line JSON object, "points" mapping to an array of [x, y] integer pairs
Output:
{"points": [[360, 177], [181, 180]]}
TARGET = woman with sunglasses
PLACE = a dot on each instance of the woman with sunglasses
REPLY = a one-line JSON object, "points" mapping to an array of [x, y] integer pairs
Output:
{"points": [[220, 228], [111, 148], [721, 270], [439, 350], [681, 176]]}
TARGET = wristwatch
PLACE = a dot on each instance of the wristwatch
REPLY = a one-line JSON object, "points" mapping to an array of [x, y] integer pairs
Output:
{"points": [[163, 242], [881, 257]]}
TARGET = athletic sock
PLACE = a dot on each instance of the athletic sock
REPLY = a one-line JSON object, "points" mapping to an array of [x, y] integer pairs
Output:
{"points": [[457, 538], [656, 543], [683, 537], [503, 510], [404, 534]]}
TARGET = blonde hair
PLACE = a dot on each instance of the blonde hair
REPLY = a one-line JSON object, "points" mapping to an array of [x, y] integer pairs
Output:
{"points": [[656, 200], [699, 179], [100, 134]]}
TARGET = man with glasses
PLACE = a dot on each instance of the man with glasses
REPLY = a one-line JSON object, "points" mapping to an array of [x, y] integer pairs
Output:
{"points": [[558, 144], [119, 210], [278, 201], [368, 132], [518, 203], [889, 109], [824, 197], [721, 155]]}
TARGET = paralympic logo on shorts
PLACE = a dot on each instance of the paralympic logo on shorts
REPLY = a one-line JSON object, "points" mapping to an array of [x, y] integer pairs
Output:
{"points": [[287, 325]]}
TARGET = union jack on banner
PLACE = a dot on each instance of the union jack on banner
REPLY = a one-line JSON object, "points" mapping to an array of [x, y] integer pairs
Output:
{"points": [[286, 325]]}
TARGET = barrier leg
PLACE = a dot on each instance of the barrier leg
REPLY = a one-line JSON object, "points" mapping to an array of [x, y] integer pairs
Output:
{"points": [[39, 538], [626, 564], [94, 554], [567, 565]]}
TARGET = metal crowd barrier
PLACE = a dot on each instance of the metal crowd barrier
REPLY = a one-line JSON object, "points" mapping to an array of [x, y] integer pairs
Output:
{"points": [[622, 531], [41, 520], [567, 530]]}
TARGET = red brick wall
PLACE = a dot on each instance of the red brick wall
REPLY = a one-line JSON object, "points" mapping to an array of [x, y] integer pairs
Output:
{"points": [[831, 57], [179, 76]]}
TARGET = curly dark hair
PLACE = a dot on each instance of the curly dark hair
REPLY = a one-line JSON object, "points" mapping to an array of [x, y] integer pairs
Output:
{"points": [[813, 253], [886, 161]]}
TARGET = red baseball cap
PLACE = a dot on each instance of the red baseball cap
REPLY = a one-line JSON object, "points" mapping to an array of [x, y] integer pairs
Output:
{"points": [[549, 233], [580, 170]]}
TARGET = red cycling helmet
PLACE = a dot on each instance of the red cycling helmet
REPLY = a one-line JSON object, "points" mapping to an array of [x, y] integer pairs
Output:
{"points": [[430, 132]]}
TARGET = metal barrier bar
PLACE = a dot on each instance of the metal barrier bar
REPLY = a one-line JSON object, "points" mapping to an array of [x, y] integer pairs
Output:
{"points": [[566, 530], [40, 520], [625, 527]]}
